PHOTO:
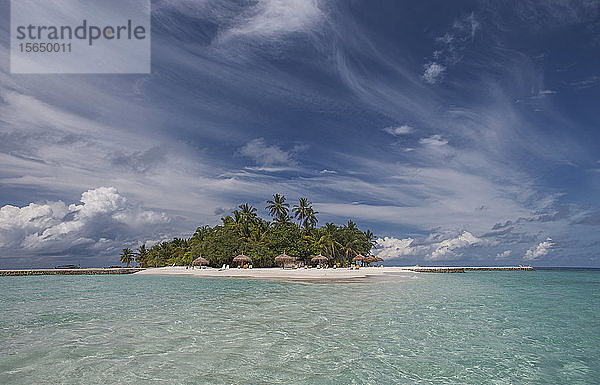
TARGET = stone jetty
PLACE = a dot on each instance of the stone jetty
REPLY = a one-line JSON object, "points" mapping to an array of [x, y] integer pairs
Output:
{"points": [[90, 271], [451, 269]]}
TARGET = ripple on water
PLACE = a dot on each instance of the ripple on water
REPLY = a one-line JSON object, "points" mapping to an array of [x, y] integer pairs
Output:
{"points": [[471, 328]]}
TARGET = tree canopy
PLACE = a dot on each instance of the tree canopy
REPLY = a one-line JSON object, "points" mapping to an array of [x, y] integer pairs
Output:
{"points": [[244, 232]]}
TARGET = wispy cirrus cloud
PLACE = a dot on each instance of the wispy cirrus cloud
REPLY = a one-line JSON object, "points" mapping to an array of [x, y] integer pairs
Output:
{"points": [[433, 72], [271, 157], [399, 130], [433, 140], [273, 17], [450, 47]]}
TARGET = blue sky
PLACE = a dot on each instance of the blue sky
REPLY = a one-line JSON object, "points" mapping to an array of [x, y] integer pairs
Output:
{"points": [[461, 132]]}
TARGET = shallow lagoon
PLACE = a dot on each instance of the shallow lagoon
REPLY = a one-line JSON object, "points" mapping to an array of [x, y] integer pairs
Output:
{"points": [[496, 327]]}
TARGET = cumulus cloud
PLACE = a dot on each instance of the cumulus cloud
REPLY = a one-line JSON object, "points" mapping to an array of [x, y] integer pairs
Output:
{"points": [[399, 130], [540, 250], [392, 248], [433, 72], [270, 156], [503, 254], [432, 248], [448, 249], [102, 220]]}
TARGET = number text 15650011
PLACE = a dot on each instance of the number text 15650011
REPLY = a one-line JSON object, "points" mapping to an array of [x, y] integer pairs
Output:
{"points": [[45, 47]]}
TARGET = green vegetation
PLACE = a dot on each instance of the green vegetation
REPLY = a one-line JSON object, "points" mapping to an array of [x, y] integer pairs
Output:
{"points": [[127, 256], [244, 232]]}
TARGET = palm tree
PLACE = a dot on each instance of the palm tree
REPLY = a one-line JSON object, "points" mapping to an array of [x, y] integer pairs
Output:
{"points": [[311, 219], [283, 219], [351, 226], [127, 256], [327, 245], [141, 255], [248, 212], [301, 209], [370, 237], [227, 221], [350, 248], [278, 209], [305, 214], [237, 217], [327, 242]]}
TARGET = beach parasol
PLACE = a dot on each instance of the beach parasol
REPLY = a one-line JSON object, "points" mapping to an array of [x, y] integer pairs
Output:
{"points": [[199, 261], [359, 257], [370, 259], [320, 259], [242, 259], [284, 259]]}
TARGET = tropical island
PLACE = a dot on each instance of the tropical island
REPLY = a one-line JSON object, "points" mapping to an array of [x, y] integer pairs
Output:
{"points": [[292, 232]]}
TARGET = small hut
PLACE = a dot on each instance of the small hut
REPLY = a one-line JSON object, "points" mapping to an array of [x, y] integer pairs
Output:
{"points": [[285, 260], [242, 259], [320, 259], [199, 262]]}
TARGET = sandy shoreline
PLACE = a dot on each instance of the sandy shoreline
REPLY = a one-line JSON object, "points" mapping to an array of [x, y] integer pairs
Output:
{"points": [[317, 275], [277, 273]]}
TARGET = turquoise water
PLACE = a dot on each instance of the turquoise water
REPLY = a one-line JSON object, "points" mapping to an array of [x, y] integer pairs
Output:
{"points": [[476, 328]]}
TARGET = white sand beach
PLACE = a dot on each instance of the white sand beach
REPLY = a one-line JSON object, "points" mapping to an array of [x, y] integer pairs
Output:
{"points": [[319, 275], [277, 273]]}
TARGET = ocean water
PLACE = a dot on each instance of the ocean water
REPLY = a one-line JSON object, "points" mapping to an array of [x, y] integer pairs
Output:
{"points": [[538, 327]]}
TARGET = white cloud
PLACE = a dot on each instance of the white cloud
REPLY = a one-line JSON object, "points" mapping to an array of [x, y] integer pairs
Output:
{"points": [[503, 254], [433, 72], [540, 250], [399, 130], [434, 140], [451, 45], [448, 249], [270, 156], [391, 248], [103, 218], [274, 17], [325, 171], [431, 247]]}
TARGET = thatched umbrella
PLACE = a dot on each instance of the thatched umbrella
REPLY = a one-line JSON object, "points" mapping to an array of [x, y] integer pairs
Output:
{"points": [[199, 261], [379, 259], [284, 259], [370, 259], [320, 259], [240, 259], [358, 258]]}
